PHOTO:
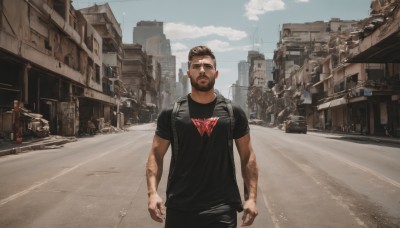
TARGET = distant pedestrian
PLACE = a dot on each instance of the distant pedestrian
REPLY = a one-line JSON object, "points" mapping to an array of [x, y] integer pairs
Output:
{"points": [[202, 190]]}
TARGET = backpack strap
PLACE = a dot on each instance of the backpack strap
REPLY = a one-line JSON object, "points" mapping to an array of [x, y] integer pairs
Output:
{"points": [[230, 134], [230, 142], [175, 147]]}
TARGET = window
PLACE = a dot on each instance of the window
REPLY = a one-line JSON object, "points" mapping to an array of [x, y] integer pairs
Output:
{"points": [[97, 78], [59, 7]]}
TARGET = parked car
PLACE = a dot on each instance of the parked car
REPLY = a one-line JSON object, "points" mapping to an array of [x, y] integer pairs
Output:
{"points": [[296, 124]]}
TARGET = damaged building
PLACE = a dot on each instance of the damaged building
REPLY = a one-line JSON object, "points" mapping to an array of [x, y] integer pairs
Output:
{"points": [[342, 75], [104, 22], [377, 49], [141, 75], [130, 74], [52, 65], [260, 72], [302, 49]]}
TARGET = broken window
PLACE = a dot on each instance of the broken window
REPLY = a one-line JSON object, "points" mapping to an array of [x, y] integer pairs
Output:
{"points": [[351, 81], [338, 87], [59, 7], [96, 46], [375, 72], [97, 78], [89, 69], [47, 44]]}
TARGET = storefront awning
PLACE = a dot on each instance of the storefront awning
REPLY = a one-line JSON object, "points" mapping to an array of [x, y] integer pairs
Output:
{"points": [[323, 105], [338, 102], [357, 99], [332, 103]]}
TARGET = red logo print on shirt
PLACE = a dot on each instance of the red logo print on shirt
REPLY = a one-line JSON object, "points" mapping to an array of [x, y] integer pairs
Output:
{"points": [[205, 125]]}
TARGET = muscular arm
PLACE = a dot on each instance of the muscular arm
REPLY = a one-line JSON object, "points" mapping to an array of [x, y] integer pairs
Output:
{"points": [[250, 177], [154, 171]]}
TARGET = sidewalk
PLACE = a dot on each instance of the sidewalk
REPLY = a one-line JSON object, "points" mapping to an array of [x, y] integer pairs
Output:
{"points": [[8, 147], [360, 137]]}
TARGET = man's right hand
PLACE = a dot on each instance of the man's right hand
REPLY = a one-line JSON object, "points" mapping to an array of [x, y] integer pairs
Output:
{"points": [[156, 207]]}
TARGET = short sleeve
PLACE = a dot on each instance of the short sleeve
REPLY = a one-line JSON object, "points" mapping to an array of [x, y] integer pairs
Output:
{"points": [[164, 129], [241, 123]]}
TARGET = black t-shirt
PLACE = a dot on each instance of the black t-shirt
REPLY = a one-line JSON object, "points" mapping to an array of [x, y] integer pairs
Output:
{"points": [[203, 175]]}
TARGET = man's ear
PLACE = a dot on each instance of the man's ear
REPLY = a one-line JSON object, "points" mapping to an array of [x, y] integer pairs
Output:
{"points": [[216, 74]]}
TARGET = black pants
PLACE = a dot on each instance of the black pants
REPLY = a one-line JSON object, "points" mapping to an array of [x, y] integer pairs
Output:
{"points": [[224, 216]]}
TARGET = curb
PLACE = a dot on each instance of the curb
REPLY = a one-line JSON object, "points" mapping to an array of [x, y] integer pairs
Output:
{"points": [[37, 146], [361, 137], [375, 140]]}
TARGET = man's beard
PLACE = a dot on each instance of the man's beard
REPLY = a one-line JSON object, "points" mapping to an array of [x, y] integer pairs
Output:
{"points": [[203, 87]]}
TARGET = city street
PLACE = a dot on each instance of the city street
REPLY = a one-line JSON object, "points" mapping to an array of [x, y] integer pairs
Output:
{"points": [[306, 180]]}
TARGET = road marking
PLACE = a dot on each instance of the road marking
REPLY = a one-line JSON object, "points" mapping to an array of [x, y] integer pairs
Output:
{"points": [[360, 167], [274, 219], [338, 200], [370, 171], [62, 173]]}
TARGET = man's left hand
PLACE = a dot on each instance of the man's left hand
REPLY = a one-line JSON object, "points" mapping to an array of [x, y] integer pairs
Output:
{"points": [[250, 212]]}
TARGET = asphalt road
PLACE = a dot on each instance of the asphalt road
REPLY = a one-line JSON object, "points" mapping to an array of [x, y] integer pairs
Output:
{"points": [[312, 180]]}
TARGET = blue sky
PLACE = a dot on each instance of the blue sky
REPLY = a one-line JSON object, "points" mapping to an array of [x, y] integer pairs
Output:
{"points": [[230, 27]]}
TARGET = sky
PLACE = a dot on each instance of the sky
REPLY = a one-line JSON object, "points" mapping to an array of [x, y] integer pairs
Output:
{"points": [[229, 27]]}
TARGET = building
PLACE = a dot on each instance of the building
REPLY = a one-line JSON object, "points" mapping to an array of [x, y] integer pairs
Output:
{"points": [[141, 76], [241, 87], [182, 87], [259, 73], [103, 21], [52, 65], [349, 80], [150, 34], [373, 91], [302, 50]]}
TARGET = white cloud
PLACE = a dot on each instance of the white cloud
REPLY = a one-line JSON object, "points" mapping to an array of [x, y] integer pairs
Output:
{"points": [[219, 46], [181, 57], [302, 0], [181, 50], [178, 46], [254, 8], [222, 46], [179, 31]]}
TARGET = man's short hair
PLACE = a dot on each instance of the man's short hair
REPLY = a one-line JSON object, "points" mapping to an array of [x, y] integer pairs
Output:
{"points": [[201, 51]]}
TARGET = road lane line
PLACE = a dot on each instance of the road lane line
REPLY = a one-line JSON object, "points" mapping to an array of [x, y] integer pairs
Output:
{"points": [[357, 166], [65, 171], [274, 219], [365, 169], [336, 198]]}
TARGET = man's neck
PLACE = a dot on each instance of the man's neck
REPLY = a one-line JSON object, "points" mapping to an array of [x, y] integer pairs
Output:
{"points": [[203, 97]]}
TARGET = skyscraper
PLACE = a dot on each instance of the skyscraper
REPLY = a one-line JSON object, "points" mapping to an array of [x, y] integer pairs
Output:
{"points": [[150, 34]]}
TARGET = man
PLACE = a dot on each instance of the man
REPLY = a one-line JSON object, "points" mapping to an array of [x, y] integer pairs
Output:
{"points": [[202, 190]]}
